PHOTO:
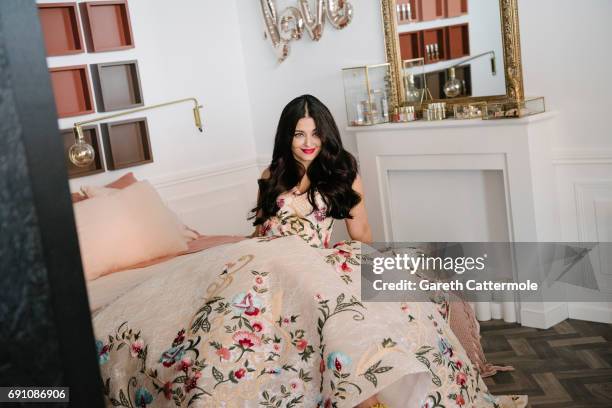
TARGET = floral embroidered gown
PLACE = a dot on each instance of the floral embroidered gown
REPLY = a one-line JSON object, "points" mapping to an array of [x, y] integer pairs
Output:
{"points": [[296, 216], [270, 322]]}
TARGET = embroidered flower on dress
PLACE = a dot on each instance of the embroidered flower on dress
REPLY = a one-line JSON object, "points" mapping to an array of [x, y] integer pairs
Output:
{"points": [[246, 303], [136, 348], [184, 364], [344, 267], [103, 352], [192, 382], [168, 390], [257, 327], [223, 353], [459, 400], [301, 344], [445, 348], [239, 373], [266, 227], [296, 385], [142, 397], [461, 379], [338, 360], [246, 339], [343, 253], [321, 214], [179, 339], [171, 356]]}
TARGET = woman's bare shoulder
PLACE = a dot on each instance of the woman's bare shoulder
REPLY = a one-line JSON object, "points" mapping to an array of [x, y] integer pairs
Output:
{"points": [[266, 173]]}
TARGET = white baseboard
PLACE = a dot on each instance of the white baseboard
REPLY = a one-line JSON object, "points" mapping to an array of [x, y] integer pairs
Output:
{"points": [[590, 312], [545, 317]]}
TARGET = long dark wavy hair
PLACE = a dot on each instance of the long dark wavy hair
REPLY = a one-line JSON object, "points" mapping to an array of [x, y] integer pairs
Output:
{"points": [[331, 173]]}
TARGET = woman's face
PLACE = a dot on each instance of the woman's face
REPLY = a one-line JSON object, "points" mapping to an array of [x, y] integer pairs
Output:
{"points": [[306, 143]]}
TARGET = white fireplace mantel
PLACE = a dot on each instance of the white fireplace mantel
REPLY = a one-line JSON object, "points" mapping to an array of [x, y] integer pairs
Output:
{"points": [[519, 148], [516, 151]]}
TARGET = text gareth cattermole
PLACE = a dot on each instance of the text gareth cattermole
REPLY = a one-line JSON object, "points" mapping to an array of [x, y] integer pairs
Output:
{"points": [[413, 263]]}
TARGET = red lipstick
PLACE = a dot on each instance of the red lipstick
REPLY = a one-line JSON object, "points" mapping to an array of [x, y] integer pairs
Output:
{"points": [[309, 151]]}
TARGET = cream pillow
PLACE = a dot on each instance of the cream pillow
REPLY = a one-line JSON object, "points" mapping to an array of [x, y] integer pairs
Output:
{"points": [[125, 228]]}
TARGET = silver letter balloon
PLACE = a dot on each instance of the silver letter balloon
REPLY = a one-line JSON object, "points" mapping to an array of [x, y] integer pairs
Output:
{"points": [[290, 24]]}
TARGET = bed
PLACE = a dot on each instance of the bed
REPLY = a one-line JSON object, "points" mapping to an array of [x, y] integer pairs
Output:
{"points": [[268, 322]]}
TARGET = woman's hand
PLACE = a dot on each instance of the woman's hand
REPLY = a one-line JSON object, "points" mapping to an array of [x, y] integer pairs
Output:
{"points": [[358, 227]]}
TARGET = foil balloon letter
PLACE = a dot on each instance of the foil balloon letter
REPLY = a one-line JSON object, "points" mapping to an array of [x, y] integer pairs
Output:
{"points": [[314, 24], [291, 24], [280, 45], [339, 12]]}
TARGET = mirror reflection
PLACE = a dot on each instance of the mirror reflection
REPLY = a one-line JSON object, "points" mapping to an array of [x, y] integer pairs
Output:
{"points": [[450, 48]]}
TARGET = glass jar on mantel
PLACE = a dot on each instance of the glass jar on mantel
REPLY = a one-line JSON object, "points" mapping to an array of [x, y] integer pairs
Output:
{"points": [[366, 94]]}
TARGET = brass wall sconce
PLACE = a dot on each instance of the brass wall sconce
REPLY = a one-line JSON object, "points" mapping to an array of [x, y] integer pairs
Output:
{"points": [[82, 154]]}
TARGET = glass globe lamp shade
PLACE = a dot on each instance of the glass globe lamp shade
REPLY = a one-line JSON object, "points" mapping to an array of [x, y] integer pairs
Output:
{"points": [[81, 153], [453, 87]]}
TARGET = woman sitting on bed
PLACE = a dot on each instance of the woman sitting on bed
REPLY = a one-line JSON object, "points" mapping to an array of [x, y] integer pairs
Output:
{"points": [[311, 181]]}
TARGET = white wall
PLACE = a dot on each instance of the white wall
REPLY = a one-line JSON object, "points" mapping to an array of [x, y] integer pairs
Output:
{"points": [[566, 58], [312, 67], [191, 48]]}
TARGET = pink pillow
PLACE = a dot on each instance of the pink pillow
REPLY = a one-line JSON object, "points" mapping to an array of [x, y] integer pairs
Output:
{"points": [[124, 181], [125, 228], [76, 197], [93, 191]]}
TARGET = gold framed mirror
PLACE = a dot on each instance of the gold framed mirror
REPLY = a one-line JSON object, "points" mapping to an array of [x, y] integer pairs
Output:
{"points": [[400, 19]]}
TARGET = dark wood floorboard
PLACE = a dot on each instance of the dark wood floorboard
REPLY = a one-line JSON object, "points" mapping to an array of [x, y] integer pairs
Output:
{"points": [[568, 365]]}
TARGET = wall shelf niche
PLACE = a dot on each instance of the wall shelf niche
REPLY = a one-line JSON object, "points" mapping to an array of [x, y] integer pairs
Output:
{"points": [[430, 9], [458, 41], [72, 90], [450, 42], [456, 8], [61, 30], [126, 143], [434, 44], [117, 85], [91, 135], [403, 16], [410, 45], [107, 25]]}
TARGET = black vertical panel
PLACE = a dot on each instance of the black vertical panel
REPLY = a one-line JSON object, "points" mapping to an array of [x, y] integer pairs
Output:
{"points": [[46, 336]]}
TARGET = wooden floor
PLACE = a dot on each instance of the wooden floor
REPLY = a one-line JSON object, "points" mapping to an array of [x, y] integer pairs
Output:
{"points": [[568, 365]]}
